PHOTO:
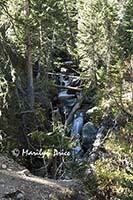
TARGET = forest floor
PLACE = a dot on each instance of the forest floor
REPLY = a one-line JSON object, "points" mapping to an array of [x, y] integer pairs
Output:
{"points": [[17, 183]]}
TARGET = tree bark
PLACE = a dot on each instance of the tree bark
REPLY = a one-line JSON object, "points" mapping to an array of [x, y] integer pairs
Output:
{"points": [[29, 67], [131, 75]]}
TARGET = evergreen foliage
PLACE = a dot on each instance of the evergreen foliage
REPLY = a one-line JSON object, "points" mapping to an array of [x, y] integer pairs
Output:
{"points": [[97, 35]]}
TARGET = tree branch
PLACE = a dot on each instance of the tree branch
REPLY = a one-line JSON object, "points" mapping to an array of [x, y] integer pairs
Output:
{"points": [[74, 109], [66, 87]]}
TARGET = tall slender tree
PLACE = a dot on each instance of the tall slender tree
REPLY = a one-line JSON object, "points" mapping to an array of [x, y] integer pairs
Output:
{"points": [[29, 67]]}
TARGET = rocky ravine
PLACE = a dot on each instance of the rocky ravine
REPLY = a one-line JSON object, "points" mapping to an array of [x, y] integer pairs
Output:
{"points": [[16, 183]]}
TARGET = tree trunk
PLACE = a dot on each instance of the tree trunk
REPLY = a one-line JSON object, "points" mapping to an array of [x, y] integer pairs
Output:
{"points": [[108, 38], [29, 67], [131, 76]]}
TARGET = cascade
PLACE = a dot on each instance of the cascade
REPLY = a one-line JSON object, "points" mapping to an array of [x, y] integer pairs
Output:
{"points": [[77, 124], [68, 98]]}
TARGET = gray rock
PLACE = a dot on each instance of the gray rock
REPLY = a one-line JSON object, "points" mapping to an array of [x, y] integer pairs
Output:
{"points": [[92, 110], [3, 166], [89, 132], [88, 129], [17, 195]]}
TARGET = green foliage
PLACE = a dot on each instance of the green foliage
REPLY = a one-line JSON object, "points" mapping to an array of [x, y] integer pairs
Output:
{"points": [[97, 25], [126, 30], [128, 184], [99, 34], [113, 174]]}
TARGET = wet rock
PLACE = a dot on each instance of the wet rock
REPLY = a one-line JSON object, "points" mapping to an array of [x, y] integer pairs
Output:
{"points": [[88, 129], [89, 132]]}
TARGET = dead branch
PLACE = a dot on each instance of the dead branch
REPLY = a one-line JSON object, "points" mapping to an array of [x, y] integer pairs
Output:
{"points": [[27, 111], [100, 139], [74, 109], [67, 87], [71, 76]]}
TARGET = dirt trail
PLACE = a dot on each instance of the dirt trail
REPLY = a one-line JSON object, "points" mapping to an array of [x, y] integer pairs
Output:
{"points": [[16, 183]]}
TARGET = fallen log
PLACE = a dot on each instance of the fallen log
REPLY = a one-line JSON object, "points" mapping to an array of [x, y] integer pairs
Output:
{"points": [[66, 87], [74, 109], [71, 76]]}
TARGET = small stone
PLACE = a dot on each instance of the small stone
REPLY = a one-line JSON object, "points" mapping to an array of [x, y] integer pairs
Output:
{"points": [[92, 110], [9, 169], [3, 166], [20, 196]]}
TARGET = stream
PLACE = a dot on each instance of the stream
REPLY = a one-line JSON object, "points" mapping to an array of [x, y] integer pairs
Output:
{"points": [[82, 131]]}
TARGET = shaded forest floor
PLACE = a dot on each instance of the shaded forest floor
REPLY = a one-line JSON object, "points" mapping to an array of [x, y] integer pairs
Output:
{"points": [[16, 182]]}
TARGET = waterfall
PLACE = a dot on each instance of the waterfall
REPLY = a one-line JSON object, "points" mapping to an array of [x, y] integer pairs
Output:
{"points": [[77, 124], [68, 98]]}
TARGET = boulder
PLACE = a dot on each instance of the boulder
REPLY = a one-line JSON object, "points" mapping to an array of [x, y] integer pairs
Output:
{"points": [[92, 110], [89, 132]]}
